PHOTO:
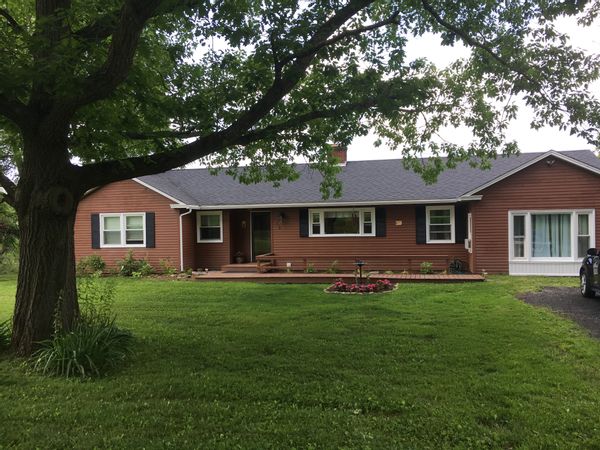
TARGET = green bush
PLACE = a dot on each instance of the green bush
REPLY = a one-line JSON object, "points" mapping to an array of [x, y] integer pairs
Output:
{"points": [[9, 262], [90, 264], [90, 350], [426, 267], [167, 267], [5, 333], [310, 268], [334, 267], [129, 266], [96, 299]]}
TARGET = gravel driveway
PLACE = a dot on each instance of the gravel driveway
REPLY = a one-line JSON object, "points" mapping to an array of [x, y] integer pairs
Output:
{"points": [[570, 302]]}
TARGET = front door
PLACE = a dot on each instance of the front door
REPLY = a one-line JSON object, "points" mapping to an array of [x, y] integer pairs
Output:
{"points": [[261, 233]]}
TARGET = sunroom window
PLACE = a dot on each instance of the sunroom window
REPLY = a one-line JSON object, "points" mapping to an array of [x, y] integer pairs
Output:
{"points": [[564, 235], [583, 234], [551, 235], [342, 222]]}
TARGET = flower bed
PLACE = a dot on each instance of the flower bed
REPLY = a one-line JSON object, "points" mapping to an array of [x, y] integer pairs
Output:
{"points": [[340, 287]]}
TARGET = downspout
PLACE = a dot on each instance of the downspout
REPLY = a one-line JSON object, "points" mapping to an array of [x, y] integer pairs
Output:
{"points": [[181, 237]]}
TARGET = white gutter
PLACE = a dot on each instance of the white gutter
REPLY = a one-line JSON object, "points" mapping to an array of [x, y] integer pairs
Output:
{"points": [[181, 237], [332, 204]]}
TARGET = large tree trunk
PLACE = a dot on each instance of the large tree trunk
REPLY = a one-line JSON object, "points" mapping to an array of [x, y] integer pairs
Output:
{"points": [[46, 290]]}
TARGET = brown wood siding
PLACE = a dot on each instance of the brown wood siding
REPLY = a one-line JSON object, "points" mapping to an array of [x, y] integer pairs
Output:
{"points": [[538, 187], [214, 255], [122, 197], [399, 240]]}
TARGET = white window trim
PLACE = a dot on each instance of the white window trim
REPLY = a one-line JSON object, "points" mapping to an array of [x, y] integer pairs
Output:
{"points": [[360, 212], [528, 213], [452, 239], [199, 214], [122, 217]]}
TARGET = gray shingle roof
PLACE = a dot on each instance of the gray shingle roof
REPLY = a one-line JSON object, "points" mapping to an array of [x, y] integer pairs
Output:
{"points": [[363, 181]]}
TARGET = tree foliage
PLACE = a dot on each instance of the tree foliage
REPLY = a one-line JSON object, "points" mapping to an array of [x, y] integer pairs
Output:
{"points": [[176, 80]]}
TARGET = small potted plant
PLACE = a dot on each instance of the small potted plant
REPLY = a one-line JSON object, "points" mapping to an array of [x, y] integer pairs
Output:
{"points": [[239, 257]]}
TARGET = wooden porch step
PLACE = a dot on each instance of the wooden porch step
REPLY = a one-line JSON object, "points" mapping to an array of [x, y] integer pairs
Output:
{"points": [[239, 268]]}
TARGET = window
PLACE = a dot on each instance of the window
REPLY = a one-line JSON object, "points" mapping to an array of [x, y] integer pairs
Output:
{"points": [[550, 235], [342, 222], [583, 234], [210, 226], [123, 230], [519, 236], [440, 224]]}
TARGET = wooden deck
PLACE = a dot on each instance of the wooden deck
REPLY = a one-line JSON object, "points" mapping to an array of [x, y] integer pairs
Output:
{"points": [[327, 278]]}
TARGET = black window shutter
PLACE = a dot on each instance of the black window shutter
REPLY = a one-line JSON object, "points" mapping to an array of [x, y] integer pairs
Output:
{"points": [[460, 222], [150, 231], [421, 224], [95, 230], [380, 221], [303, 213]]}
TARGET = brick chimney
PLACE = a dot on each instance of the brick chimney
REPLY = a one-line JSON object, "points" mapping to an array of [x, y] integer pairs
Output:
{"points": [[341, 153]]}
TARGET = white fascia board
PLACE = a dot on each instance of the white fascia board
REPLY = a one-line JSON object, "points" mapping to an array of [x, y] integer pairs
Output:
{"points": [[152, 188], [543, 156], [332, 204]]}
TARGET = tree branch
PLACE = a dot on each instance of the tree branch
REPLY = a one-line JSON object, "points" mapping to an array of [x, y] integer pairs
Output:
{"points": [[474, 43], [344, 35], [99, 30], [13, 110], [104, 81], [102, 173], [10, 189], [11, 21]]}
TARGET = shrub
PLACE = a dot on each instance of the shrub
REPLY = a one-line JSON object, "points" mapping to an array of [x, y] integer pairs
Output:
{"points": [[167, 267], [89, 350], [96, 299], [130, 266], [310, 268], [90, 264], [334, 267], [95, 345], [426, 267], [5, 333], [9, 262]]}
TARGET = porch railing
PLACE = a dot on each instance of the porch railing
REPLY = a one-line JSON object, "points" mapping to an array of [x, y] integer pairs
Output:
{"points": [[272, 261]]}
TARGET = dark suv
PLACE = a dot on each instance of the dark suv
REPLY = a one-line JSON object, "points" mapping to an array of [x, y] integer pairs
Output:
{"points": [[588, 274]]}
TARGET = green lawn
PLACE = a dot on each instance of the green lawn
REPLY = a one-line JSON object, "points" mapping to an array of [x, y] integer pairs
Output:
{"points": [[280, 366]]}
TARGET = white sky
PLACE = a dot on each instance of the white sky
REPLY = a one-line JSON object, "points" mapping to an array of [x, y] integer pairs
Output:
{"points": [[529, 140]]}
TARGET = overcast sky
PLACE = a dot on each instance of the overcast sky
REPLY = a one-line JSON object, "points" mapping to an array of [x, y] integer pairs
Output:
{"points": [[529, 140]]}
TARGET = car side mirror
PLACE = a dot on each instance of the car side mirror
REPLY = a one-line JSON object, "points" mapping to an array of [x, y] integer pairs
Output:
{"points": [[592, 252]]}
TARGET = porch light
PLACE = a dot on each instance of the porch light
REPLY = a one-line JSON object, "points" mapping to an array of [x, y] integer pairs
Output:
{"points": [[281, 218]]}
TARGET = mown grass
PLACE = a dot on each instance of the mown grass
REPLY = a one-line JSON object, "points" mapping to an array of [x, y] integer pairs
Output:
{"points": [[276, 366]]}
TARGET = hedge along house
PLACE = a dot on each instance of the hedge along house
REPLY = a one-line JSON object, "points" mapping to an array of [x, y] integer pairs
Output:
{"points": [[529, 214]]}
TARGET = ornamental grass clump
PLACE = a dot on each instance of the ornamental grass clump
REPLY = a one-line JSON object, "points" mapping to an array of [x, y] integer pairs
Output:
{"points": [[96, 344], [90, 350], [364, 288]]}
